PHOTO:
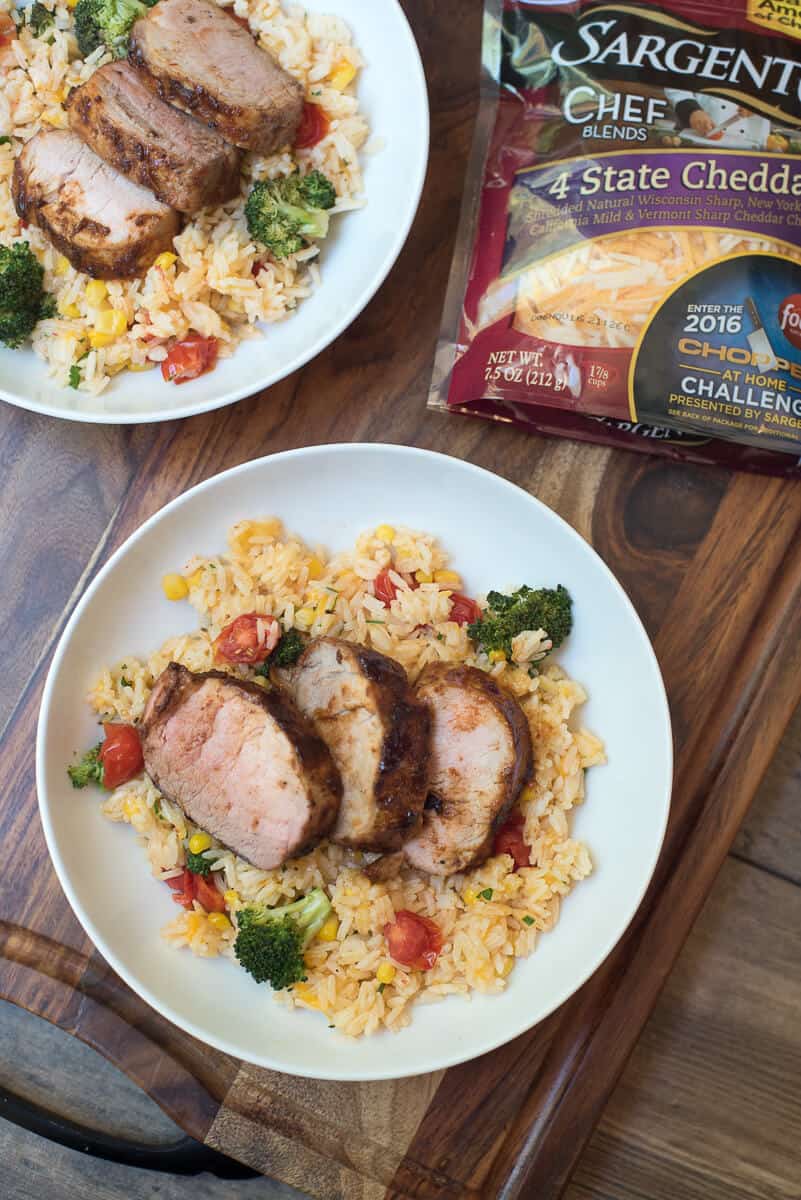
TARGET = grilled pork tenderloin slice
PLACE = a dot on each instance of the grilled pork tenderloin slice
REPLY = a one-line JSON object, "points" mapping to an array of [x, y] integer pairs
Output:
{"points": [[103, 223], [242, 763], [196, 56], [363, 708], [186, 164], [481, 758]]}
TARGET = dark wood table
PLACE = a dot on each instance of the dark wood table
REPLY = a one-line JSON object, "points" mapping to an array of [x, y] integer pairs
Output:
{"points": [[711, 560]]}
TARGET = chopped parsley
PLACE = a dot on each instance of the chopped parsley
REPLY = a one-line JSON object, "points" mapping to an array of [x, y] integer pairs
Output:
{"points": [[381, 987], [125, 682], [75, 375], [39, 18], [157, 810], [5, 141], [528, 920], [486, 894]]}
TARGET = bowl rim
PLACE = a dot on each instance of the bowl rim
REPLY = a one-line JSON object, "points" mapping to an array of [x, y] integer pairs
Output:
{"points": [[340, 1072], [325, 339]]}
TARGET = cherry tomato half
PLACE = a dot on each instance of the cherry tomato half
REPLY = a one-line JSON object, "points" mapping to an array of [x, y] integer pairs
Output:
{"points": [[413, 941], [207, 895], [314, 125], [120, 754], [188, 359], [464, 610], [509, 840], [8, 30], [248, 639], [184, 887], [385, 589]]}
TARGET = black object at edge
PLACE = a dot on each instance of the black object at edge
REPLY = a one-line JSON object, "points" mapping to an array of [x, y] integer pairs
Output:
{"points": [[183, 1157]]}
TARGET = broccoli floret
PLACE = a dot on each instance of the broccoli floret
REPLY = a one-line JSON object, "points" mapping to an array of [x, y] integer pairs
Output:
{"points": [[527, 608], [39, 18], [316, 190], [271, 941], [88, 769], [106, 23], [23, 300], [284, 214], [289, 649], [197, 864]]}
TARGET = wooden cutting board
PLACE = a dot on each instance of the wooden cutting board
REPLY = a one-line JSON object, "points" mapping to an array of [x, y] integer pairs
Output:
{"points": [[712, 562]]}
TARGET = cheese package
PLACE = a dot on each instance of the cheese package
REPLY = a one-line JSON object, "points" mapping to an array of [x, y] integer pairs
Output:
{"points": [[628, 259]]}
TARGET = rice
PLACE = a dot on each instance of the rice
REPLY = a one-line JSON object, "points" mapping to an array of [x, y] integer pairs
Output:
{"points": [[484, 931], [222, 284]]}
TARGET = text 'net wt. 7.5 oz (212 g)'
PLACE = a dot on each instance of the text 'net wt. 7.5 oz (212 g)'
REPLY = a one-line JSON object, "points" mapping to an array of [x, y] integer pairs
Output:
{"points": [[628, 263]]}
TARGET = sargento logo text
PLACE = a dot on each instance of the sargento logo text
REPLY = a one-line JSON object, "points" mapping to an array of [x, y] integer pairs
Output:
{"points": [[604, 42]]}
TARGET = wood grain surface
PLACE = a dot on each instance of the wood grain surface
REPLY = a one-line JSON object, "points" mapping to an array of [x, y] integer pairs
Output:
{"points": [[712, 562]]}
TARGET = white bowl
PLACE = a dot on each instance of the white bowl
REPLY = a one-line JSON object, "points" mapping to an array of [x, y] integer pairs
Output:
{"points": [[498, 535], [355, 259]]}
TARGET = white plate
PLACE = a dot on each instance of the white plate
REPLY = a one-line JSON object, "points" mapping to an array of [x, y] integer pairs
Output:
{"points": [[355, 259], [498, 535]]}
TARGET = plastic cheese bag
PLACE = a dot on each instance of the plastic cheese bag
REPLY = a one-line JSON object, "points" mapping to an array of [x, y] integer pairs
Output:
{"points": [[628, 262]]}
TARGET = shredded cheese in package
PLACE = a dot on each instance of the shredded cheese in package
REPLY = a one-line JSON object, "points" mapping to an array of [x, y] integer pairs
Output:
{"points": [[629, 256]]}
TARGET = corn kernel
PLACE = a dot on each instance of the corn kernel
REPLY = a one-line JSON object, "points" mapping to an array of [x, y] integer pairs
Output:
{"points": [[96, 291], [506, 969], [110, 320], [322, 607], [348, 584], [98, 340], [55, 117], [69, 310], [424, 577], [305, 617], [316, 568], [385, 973], [386, 533], [175, 587], [220, 922], [194, 923], [497, 656], [71, 3], [129, 809], [329, 931], [145, 366], [62, 265], [342, 73], [470, 896], [447, 577], [231, 898], [199, 842], [165, 260], [302, 991]]}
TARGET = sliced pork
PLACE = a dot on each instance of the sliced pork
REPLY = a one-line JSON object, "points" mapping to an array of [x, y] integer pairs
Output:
{"points": [[480, 760], [186, 164], [362, 706], [196, 56], [103, 223], [242, 763]]}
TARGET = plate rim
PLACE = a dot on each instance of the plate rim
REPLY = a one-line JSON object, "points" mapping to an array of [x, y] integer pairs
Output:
{"points": [[337, 1073], [326, 339]]}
